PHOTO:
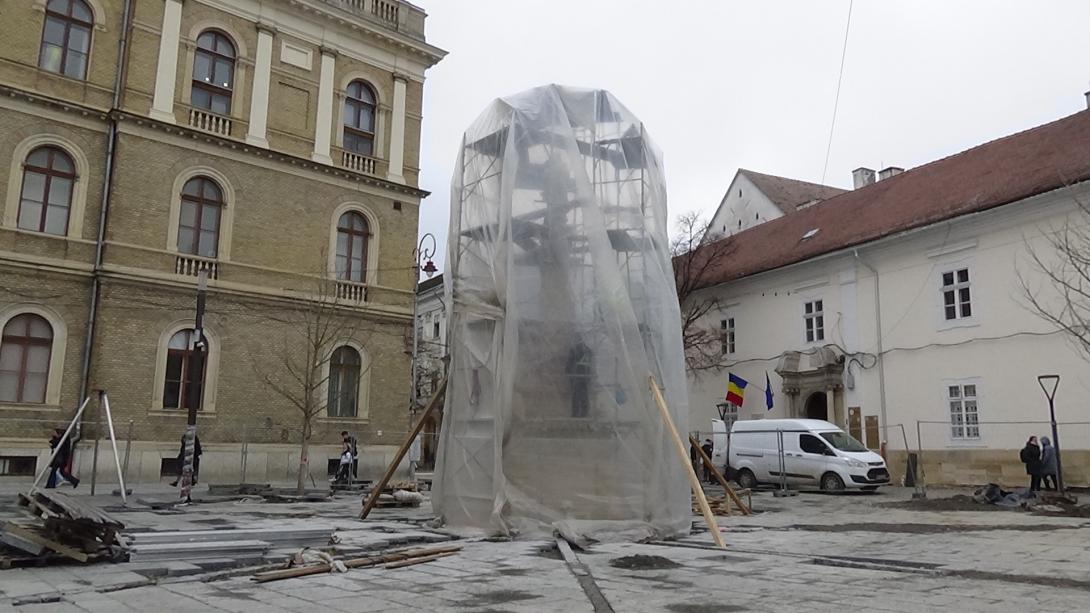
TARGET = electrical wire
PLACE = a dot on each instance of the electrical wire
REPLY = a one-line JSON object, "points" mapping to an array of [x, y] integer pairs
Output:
{"points": [[836, 100]]}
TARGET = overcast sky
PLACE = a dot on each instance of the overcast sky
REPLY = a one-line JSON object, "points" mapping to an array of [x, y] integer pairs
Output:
{"points": [[723, 85]]}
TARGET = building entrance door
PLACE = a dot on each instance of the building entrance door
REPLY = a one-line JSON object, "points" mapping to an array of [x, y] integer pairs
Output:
{"points": [[817, 406]]}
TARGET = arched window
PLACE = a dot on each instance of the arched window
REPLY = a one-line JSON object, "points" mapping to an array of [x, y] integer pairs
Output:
{"points": [[48, 177], [180, 378], [344, 382], [352, 236], [200, 212], [25, 349], [359, 118], [213, 73], [66, 38]]}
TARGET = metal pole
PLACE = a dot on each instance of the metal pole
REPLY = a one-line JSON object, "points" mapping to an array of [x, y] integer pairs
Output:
{"points": [[1051, 395], [113, 443], [128, 447], [921, 487], [64, 438], [94, 457], [1056, 446], [195, 388], [244, 438]]}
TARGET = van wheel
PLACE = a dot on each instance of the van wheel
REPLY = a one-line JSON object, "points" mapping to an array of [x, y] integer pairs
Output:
{"points": [[831, 482], [746, 480]]}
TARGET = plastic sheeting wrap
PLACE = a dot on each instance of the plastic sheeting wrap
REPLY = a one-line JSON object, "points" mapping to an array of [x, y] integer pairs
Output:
{"points": [[562, 304]]}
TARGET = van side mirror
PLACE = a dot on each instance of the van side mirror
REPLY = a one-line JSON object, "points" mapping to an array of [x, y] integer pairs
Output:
{"points": [[828, 451]]}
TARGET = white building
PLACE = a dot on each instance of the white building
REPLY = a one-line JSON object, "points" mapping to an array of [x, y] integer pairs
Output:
{"points": [[431, 330], [754, 198], [897, 308]]}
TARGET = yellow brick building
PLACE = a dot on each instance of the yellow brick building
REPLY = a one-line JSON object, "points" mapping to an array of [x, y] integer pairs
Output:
{"points": [[273, 144]]}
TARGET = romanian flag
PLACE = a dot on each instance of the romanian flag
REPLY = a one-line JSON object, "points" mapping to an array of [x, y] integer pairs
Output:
{"points": [[736, 389]]}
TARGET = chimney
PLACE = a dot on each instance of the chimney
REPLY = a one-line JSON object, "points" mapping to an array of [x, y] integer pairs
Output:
{"points": [[862, 177], [888, 172], [1087, 94]]}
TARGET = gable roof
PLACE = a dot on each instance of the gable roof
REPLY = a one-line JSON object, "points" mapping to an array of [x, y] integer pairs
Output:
{"points": [[789, 194], [999, 172]]}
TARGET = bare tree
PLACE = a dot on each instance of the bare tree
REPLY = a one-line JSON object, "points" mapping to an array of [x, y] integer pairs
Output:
{"points": [[1065, 266], [313, 328], [696, 251]]}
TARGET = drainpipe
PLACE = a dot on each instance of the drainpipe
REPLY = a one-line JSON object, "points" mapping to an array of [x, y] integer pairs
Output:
{"points": [[878, 335], [104, 204]]}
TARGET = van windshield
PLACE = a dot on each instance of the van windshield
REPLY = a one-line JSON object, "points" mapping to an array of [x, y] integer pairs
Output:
{"points": [[843, 441]]}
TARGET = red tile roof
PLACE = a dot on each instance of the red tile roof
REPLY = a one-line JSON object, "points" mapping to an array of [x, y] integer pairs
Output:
{"points": [[999, 172], [789, 194]]}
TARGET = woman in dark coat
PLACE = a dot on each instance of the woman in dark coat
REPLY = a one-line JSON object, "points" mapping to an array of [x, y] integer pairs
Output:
{"points": [[1048, 464], [1031, 457]]}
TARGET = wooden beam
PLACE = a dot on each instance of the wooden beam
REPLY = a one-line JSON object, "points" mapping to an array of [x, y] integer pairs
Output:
{"points": [[34, 537], [684, 458], [420, 560], [376, 491], [719, 476]]}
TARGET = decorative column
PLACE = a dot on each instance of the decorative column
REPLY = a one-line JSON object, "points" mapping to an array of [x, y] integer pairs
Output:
{"points": [[323, 125], [397, 131], [259, 99], [166, 70]]}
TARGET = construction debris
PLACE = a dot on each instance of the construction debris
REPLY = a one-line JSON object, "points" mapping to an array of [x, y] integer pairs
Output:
{"points": [[62, 525], [391, 561]]}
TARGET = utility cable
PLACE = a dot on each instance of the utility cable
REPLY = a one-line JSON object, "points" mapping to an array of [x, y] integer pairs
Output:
{"points": [[836, 100]]}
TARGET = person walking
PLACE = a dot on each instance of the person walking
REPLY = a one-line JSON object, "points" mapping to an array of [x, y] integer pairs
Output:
{"points": [[353, 445], [62, 461], [1048, 464], [1031, 457]]}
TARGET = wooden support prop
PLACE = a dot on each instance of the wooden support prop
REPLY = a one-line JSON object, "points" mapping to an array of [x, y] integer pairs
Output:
{"points": [[376, 491], [719, 476], [694, 482], [412, 561]]}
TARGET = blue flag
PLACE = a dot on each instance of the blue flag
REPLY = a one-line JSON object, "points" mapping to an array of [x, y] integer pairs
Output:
{"points": [[768, 392]]}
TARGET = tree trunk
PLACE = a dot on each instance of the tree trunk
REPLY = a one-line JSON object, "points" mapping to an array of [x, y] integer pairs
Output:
{"points": [[304, 457]]}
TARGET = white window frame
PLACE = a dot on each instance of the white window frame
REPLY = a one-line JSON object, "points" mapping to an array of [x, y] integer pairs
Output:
{"points": [[814, 320], [955, 290], [962, 422], [728, 336]]}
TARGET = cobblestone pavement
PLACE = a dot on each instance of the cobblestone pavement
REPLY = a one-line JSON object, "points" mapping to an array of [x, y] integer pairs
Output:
{"points": [[809, 553]]}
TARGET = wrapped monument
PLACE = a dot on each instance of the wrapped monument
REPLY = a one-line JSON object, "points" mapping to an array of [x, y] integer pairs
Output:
{"points": [[562, 304]]}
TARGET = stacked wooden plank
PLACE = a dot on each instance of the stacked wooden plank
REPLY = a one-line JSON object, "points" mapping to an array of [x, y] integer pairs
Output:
{"points": [[62, 525]]}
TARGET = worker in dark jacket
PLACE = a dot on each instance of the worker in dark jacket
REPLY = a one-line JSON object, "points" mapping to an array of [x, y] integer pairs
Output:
{"points": [[1031, 457], [708, 449], [62, 461], [1049, 466]]}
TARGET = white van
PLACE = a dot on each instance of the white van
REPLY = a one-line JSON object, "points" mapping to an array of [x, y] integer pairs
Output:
{"points": [[816, 454]]}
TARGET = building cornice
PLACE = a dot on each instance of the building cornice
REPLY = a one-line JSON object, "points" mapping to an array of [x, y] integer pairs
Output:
{"points": [[287, 158], [430, 53], [279, 156]]}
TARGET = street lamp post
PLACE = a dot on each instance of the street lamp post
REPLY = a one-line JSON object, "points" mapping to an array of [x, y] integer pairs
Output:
{"points": [[421, 254], [1048, 384], [194, 388]]}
